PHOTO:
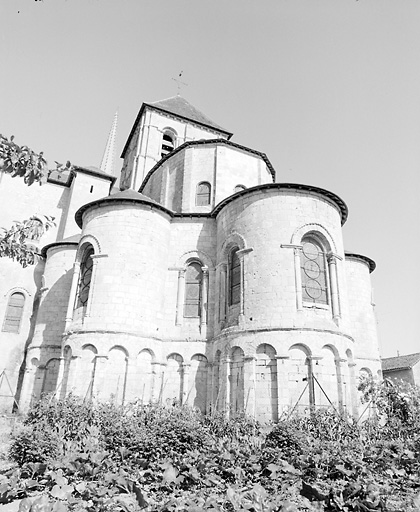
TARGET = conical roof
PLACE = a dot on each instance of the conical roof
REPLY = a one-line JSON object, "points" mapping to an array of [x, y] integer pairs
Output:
{"points": [[129, 196]]}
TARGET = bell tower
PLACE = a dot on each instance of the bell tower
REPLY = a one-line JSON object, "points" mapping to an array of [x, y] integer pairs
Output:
{"points": [[159, 129]]}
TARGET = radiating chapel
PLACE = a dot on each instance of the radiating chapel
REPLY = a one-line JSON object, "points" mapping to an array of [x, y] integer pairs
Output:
{"points": [[190, 276]]}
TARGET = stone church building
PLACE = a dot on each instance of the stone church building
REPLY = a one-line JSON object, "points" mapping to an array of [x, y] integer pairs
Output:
{"points": [[200, 280]]}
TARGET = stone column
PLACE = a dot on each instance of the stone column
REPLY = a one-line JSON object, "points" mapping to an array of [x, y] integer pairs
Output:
{"points": [[185, 381], [353, 390], [161, 382], [28, 384], [225, 385], [73, 292], [60, 376], [339, 385], [99, 375], [223, 298], [204, 296], [92, 283], [180, 297], [249, 385], [131, 384], [209, 388], [241, 255], [332, 270], [283, 385], [156, 381], [298, 279]]}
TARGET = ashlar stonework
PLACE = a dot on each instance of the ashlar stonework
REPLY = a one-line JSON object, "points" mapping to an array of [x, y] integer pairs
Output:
{"points": [[200, 280]]}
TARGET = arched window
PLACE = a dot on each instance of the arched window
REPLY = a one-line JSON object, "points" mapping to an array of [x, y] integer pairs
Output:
{"points": [[203, 194], [193, 280], [14, 312], [314, 272], [85, 278], [238, 188], [234, 277], [168, 143]]}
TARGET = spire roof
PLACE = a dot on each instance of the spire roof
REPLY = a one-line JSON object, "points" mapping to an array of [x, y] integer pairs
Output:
{"points": [[108, 160]]}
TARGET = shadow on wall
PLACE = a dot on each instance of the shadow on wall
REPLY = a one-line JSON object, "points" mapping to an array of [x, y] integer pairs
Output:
{"points": [[37, 277], [49, 313]]}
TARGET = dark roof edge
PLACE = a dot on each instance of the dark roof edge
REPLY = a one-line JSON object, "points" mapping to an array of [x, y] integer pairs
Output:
{"points": [[83, 170], [98, 174], [212, 127], [148, 105], [111, 200], [342, 207], [371, 263], [55, 244], [209, 142]]}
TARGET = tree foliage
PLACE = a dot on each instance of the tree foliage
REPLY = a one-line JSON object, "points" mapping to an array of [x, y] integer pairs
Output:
{"points": [[23, 162], [18, 242]]}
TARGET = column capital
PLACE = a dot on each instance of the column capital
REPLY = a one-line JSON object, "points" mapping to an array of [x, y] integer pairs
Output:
{"points": [[333, 257], [242, 252]]}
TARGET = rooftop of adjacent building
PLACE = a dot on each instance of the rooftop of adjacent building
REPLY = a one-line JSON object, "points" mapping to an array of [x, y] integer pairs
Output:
{"points": [[400, 362]]}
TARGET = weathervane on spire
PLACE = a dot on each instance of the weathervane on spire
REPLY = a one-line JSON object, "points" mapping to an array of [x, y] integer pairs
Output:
{"points": [[179, 83]]}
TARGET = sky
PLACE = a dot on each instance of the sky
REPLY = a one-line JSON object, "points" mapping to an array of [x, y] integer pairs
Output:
{"points": [[328, 89]]}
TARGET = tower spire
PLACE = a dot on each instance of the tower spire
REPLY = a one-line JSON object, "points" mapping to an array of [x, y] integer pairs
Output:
{"points": [[108, 160]]}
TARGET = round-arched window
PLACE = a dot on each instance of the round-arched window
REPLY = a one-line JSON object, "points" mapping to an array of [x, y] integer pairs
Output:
{"points": [[313, 272], [168, 143]]}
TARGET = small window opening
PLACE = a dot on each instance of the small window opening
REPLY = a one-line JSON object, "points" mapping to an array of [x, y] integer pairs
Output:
{"points": [[14, 312], [193, 279], [91, 189], [234, 278], [203, 194], [168, 144]]}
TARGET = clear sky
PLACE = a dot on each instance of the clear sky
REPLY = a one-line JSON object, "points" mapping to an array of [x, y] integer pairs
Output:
{"points": [[329, 89]]}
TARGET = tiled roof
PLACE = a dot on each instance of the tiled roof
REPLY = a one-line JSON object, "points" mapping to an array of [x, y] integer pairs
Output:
{"points": [[181, 107], [127, 196], [208, 142], [371, 264], [400, 362]]}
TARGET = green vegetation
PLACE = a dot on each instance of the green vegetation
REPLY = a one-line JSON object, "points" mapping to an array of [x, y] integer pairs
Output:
{"points": [[23, 162], [73, 455]]}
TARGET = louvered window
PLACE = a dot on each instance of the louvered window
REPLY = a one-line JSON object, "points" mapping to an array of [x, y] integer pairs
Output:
{"points": [[203, 194], [168, 144], [234, 278], [313, 272], [193, 279], [85, 278], [14, 312]]}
